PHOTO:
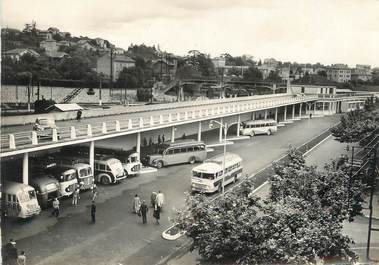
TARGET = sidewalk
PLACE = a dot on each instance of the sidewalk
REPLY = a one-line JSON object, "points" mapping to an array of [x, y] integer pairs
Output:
{"points": [[358, 229]]}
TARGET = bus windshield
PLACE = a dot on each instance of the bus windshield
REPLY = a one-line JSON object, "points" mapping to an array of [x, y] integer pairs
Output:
{"points": [[84, 172], [203, 175], [26, 196], [162, 148], [67, 177]]}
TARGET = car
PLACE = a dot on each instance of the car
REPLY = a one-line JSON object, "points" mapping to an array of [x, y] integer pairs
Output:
{"points": [[44, 127]]}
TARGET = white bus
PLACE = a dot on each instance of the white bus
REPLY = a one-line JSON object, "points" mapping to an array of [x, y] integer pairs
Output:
{"points": [[208, 176], [20, 200], [259, 127]]}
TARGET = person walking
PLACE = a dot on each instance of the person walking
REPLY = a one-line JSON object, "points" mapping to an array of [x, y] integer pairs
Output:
{"points": [[21, 259], [153, 198], [157, 213], [143, 212], [137, 203], [160, 200], [55, 207], [93, 212], [10, 254]]}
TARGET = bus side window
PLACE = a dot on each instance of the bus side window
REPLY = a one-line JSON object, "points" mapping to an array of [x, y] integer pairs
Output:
{"points": [[190, 149], [102, 167], [108, 169], [183, 150], [170, 152], [176, 151], [14, 198], [9, 197]]}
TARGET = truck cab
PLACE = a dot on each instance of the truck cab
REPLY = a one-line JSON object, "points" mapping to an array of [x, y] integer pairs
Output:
{"points": [[47, 189]]}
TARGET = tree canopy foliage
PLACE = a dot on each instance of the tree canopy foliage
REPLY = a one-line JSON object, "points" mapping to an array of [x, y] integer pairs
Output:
{"points": [[300, 221], [358, 124]]}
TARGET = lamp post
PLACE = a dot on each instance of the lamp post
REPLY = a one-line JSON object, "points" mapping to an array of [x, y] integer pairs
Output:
{"points": [[225, 127]]}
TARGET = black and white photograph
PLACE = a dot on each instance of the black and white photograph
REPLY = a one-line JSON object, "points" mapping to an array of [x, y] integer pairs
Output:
{"points": [[189, 132]]}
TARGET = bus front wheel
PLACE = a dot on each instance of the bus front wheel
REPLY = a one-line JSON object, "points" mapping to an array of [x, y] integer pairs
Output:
{"points": [[269, 132], [159, 164], [105, 180], [192, 160], [252, 133]]}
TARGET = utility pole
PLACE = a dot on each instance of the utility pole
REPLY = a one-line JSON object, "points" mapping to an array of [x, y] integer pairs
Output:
{"points": [[373, 173], [111, 73], [100, 87]]}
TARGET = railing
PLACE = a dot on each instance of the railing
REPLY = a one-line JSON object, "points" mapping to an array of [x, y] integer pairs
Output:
{"points": [[22, 140]]}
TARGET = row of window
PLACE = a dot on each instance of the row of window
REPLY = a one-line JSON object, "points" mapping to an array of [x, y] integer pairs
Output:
{"points": [[179, 150], [259, 125]]}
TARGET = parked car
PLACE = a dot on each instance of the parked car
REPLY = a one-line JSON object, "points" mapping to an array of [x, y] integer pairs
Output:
{"points": [[44, 127]]}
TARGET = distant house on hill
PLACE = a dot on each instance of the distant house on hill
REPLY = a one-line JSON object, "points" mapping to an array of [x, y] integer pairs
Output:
{"points": [[44, 34], [53, 30], [16, 54], [49, 45], [163, 67], [85, 44], [58, 55], [119, 62], [101, 43], [118, 50]]}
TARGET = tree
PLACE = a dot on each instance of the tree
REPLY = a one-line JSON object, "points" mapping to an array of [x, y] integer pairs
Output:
{"points": [[252, 74], [357, 125], [240, 228], [274, 77]]}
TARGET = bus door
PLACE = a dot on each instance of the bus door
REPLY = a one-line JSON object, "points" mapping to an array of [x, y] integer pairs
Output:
{"points": [[13, 206]]}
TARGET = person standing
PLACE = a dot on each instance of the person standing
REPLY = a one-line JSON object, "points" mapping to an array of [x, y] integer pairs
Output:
{"points": [[137, 203], [153, 198], [143, 210], [21, 260], [95, 192], [79, 115], [75, 196], [157, 213], [55, 207], [160, 200], [93, 212], [10, 253]]}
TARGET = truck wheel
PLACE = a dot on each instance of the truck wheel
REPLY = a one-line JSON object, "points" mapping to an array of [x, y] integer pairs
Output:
{"points": [[105, 180]]}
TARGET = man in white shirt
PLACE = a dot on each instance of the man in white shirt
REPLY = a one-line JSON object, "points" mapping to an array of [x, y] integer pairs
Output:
{"points": [[160, 199]]}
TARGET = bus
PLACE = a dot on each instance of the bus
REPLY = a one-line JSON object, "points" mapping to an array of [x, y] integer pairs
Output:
{"points": [[129, 159], [66, 178], [182, 151], [20, 200], [208, 177], [83, 172], [47, 189], [254, 127], [47, 165]]}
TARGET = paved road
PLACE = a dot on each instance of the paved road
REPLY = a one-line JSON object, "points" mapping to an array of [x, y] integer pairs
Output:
{"points": [[119, 236], [322, 154]]}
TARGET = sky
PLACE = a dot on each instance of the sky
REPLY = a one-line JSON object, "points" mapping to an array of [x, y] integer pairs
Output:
{"points": [[305, 31]]}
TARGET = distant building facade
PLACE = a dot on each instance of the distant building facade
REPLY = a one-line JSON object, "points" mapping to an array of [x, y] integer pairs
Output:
{"points": [[340, 73], [16, 54], [119, 62], [361, 72]]}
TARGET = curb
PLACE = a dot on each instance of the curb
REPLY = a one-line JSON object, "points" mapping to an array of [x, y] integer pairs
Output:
{"points": [[186, 244]]}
